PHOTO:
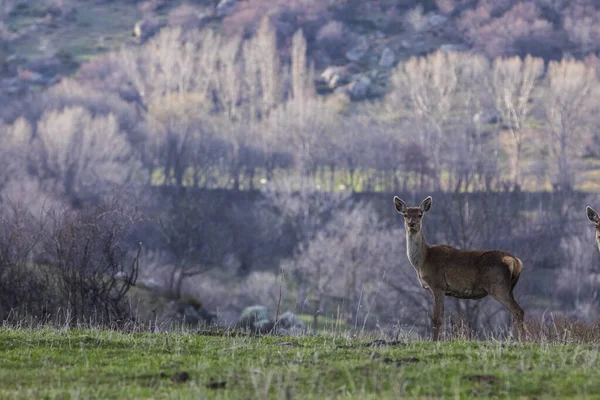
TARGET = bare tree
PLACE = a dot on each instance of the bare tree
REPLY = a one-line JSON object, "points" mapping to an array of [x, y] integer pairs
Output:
{"points": [[426, 86], [569, 102], [513, 83], [97, 100], [443, 96], [76, 152], [577, 279], [179, 134], [471, 149], [346, 260], [300, 126], [195, 240], [263, 72], [15, 140], [580, 21], [302, 206]]}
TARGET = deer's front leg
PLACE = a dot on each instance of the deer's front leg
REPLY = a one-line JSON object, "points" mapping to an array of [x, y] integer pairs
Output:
{"points": [[438, 313]]}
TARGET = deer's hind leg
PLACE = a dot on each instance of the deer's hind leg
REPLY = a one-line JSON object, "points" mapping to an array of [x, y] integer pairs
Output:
{"points": [[505, 297]]}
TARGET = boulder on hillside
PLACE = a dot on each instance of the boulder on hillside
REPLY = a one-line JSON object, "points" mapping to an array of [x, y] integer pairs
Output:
{"points": [[146, 28], [388, 58], [358, 89], [151, 6], [289, 324], [257, 319], [358, 52], [436, 20], [187, 17], [190, 313], [453, 48], [224, 7], [46, 66], [335, 76]]}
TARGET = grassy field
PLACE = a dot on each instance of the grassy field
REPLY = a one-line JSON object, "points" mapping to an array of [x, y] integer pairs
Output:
{"points": [[105, 364]]}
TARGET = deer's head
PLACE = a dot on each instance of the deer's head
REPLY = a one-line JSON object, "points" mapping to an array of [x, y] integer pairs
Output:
{"points": [[412, 215], [595, 218]]}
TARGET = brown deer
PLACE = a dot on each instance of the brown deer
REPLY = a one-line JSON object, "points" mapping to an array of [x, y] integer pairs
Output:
{"points": [[465, 274], [595, 218]]}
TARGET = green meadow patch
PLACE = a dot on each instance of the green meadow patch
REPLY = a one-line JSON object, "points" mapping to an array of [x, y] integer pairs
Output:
{"points": [[106, 364]]}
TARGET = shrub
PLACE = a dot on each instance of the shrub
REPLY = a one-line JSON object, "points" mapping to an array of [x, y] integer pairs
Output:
{"points": [[186, 16], [415, 19], [333, 38], [65, 265], [510, 33], [454, 6], [286, 16], [582, 25], [90, 264]]}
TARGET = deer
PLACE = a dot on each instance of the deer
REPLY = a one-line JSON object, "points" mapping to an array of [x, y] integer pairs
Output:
{"points": [[464, 274], [595, 218]]}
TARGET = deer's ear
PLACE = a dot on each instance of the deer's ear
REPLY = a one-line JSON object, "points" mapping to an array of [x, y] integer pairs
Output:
{"points": [[426, 204], [592, 215], [400, 205]]}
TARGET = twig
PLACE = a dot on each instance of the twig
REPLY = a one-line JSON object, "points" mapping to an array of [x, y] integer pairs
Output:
{"points": [[279, 299]]}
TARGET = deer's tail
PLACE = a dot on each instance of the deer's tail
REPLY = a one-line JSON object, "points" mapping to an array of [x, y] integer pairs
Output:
{"points": [[515, 266]]}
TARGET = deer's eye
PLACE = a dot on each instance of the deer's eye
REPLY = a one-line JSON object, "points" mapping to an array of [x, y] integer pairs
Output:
{"points": [[420, 215]]}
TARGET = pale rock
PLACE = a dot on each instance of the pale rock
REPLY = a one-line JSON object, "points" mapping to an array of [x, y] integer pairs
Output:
{"points": [[453, 48], [360, 87], [388, 58], [358, 52], [224, 7], [436, 20]]}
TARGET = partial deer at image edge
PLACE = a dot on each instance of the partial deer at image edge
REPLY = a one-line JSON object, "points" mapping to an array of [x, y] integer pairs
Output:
{"points": [[595, 218]]}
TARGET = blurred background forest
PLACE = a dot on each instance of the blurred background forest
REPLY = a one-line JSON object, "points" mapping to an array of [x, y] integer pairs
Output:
{"points": [[253, 148]]}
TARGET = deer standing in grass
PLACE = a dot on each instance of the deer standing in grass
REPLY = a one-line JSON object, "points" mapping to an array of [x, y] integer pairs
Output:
{"points": [[595, 218], [465, 274]]}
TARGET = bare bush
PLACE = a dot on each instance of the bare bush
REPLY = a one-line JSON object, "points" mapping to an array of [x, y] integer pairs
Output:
{"points": [[521, 30], [582, 24], [333, 38], [259, 287], [187, 16], [454, 6], [286, 16], [67, 266], [194, 239], [346, 260], [577, 279], [22, 287], [305, 209], [415, 19], [88, 261]]}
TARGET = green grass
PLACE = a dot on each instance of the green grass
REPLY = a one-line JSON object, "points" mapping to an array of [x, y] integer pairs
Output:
{"points": [[325, 323], [105, 364], [80, 36]]}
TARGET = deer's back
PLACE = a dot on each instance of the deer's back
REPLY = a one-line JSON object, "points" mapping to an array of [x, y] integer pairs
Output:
{"points": [[466, 274]]}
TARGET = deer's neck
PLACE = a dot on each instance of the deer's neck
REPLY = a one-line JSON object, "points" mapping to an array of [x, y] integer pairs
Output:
{"points": [[416, 248]]}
